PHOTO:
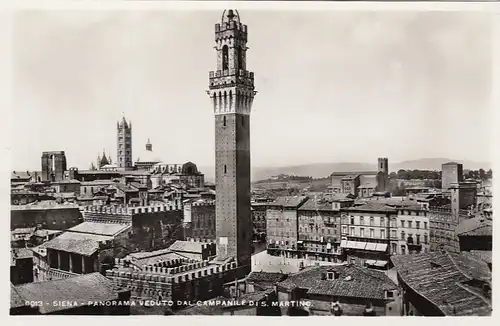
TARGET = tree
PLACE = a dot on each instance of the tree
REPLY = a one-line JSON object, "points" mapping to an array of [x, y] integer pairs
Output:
{"points": [[482, 174]]}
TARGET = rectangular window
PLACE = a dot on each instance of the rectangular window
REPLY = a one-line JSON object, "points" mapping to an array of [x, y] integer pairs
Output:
{"points": [[352, 231], [382, 221], [402, 224], [372, 233], [352, 220], [425, 225], [362, 232], [393, 222], [394, 248], [393, 233], [382, 234], [403, 250], [372, 221], [361, 220], [418, 238], [344, 229], [425, 238], [418, 224], [409, 224]]}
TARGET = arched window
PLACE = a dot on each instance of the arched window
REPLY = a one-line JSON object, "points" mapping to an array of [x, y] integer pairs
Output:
{"points": [[225, 58], [224, 121]]}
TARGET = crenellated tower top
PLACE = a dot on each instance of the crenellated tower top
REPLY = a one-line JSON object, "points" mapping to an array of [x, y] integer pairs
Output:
{"points": [[231, 86]]}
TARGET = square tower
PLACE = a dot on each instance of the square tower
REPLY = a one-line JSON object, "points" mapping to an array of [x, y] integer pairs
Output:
{"points": [[124, 145], [53, 166], [231, 90]]}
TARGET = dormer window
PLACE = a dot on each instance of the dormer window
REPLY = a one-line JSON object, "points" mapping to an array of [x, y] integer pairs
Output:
{"points": [[389, 294]]}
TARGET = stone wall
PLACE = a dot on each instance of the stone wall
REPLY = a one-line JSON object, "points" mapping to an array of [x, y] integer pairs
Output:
{"points": [[191, 281], [56, 217]]}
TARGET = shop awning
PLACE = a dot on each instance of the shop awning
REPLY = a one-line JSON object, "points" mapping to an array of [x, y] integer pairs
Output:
{"points": [[371, 246], [359, 245], [381, 247], [377, 263], [381, 263]]}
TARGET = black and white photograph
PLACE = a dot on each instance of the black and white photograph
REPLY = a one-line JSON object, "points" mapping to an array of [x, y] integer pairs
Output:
{"points": [[251, 160]]}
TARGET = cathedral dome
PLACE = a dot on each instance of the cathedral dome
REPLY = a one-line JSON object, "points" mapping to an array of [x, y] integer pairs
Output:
{"points": [[147, 155]]}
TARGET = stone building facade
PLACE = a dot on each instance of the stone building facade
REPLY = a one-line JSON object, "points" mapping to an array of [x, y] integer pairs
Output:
{"points": [[319, 232], [367, 233], [53, 166], [231, 91], [463, 196], [282, 225], [46, 216], [362, 184], [413, 231], [152, 227], [259, 211], [451, 172], [199, 220], [177, 280], [443, 223], [186, 174]]}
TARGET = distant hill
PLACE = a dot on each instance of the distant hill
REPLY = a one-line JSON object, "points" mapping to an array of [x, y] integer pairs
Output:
{"points": [[321, 170]]}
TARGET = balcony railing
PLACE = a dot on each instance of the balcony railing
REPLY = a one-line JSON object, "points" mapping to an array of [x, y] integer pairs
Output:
{"points": [[56, 274]]}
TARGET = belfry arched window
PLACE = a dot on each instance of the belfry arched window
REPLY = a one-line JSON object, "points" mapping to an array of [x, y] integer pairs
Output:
{"points": [[225, 58]]}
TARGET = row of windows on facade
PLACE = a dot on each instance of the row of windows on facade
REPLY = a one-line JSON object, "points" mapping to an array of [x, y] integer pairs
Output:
{"points": [[382, 234]]}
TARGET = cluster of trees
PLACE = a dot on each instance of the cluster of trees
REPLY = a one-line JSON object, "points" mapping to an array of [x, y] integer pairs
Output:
{"points": [[480, 174], [285, 177], [416, 175]]}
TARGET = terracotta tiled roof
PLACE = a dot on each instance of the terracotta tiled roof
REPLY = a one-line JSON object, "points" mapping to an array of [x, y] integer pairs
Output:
{"points": [[445, 280], [16, 300], [313, 205], [79, 243], [82, 289], [21, 253], [152, 257], [476, 226], [373, 206], [188, 246], [265, 277], [108, 229], [353, 281], [289, 201]]}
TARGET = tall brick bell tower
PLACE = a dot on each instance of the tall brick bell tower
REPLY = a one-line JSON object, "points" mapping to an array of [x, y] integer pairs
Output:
{"points": [[231, 92]]}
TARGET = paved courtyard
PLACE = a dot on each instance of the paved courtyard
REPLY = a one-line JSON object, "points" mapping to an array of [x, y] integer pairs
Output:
{"points": [[262, 262]]}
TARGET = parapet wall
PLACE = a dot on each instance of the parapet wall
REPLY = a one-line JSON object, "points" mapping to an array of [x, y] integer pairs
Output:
{"points": [[206, 241], [184, 273], [207, 203], [130, 210]]}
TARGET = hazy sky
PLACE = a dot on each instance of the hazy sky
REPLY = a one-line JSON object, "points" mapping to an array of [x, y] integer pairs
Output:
{"points": [[332, 86]]}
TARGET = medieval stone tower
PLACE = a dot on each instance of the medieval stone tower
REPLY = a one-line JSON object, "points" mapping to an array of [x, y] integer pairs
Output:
{"points": [[231, 92], [383, 166], [53, 166], [124, 145]]}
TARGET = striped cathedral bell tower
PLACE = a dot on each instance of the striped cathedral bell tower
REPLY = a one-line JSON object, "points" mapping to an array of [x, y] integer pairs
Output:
{"points": [[231, 91]]}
